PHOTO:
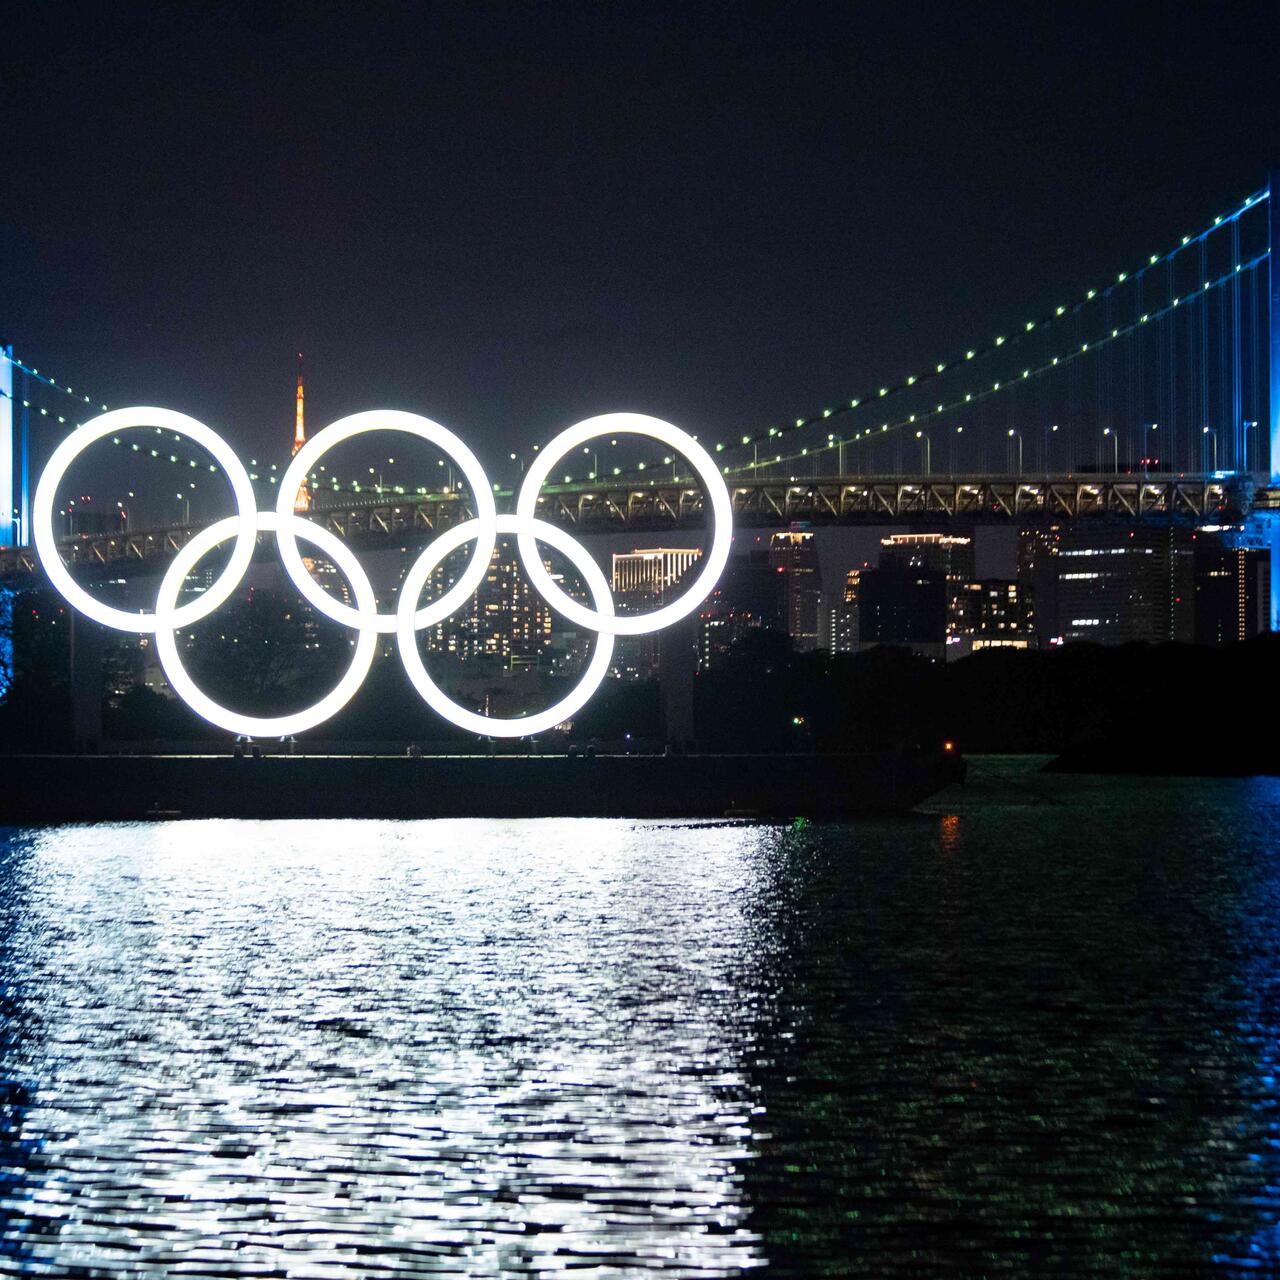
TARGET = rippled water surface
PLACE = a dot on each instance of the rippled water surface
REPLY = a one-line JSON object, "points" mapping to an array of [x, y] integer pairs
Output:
{"points": [[1030, 1030]]}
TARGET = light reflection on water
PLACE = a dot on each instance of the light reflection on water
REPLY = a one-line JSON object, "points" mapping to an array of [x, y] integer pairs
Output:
{"points": [[382, 1045], [1033, 1030]]}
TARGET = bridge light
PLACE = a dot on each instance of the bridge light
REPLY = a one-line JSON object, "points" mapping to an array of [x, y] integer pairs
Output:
{"points": [[826, 413], [1031, 324], [1186, 239], [968, 355], [1123, 276], [1061, 311], [911, 381], [720, 448], [746, 439], [799, 422], [884, 391], [959, 431], [853, 404], [1000, 341]]}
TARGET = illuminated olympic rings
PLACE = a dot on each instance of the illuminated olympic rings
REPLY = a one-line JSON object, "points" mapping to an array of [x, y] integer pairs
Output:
{"points": [[407, 619]]}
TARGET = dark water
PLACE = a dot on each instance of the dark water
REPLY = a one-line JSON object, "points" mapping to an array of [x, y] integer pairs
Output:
{"points": [[1033, 1031]]}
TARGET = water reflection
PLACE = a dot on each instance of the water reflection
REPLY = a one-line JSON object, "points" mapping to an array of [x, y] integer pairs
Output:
{"points": [[1033, 1031], [348, 1047]]}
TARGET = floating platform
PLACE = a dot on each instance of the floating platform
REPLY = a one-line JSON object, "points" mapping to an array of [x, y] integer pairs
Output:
{"points": [[109, 788]]}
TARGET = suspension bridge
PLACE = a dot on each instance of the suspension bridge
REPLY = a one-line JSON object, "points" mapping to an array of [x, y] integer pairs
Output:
{"points": [[1153, 394]]}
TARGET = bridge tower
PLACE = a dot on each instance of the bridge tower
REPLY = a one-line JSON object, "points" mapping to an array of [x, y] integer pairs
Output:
{"points": [[1273, 382], [303, 501], [7, 537]]}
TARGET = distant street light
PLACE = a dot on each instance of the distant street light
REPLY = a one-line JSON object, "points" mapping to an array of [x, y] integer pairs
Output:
{"points": [[1213, 434], [1115, 449], [1248, 426], [928, 452]]}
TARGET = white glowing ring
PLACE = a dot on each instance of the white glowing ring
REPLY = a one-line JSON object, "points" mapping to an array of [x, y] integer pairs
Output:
{"points": [[243, 526], [234, 721], [407, 642], [639, 424], [304, 462]]}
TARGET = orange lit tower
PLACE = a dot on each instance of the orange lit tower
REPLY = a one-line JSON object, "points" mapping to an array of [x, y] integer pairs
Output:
{"points": [[303, 501]]}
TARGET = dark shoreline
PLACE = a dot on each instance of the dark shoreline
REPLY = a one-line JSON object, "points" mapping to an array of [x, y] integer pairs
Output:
{"points": [[99, 788]]}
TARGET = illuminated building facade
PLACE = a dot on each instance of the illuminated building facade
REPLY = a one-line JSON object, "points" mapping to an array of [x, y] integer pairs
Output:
{"points": [[841, 631], [505, 620], [996, 615], [1233, 590], [1124, 583], [950, 555], [793, 555], [644, 580], [747, 598]]}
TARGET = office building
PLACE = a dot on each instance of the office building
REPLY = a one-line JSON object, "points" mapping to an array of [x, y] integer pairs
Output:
{"points": [[904, 606], [996, 615], [749, 597], [793, 555], [642, 581], [505, 620], [840, 616], [1233, 589], [1125, 583], [950, 555]]}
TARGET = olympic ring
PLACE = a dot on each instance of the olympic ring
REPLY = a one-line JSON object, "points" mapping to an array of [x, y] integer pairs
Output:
{"points": [[638, 424], [304, 463], [364, 618], [257, 726], [406, 640], [71, 448]]}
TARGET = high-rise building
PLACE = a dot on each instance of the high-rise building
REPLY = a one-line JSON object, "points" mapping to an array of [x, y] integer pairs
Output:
{"points": [[907, 606], [644, 580], [505, 620], [644, 577], [1233, 590], [996, 615], [1038, 579], [951, 555], [1123, 583], [794, 556], [840, 617], [747, 598]]}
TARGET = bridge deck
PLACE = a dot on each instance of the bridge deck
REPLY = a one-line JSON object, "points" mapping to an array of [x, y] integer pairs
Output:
{"points": [[668, 505]]}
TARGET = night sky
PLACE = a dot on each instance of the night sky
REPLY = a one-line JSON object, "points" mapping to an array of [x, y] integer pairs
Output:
{"points": [[511, 216]]}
